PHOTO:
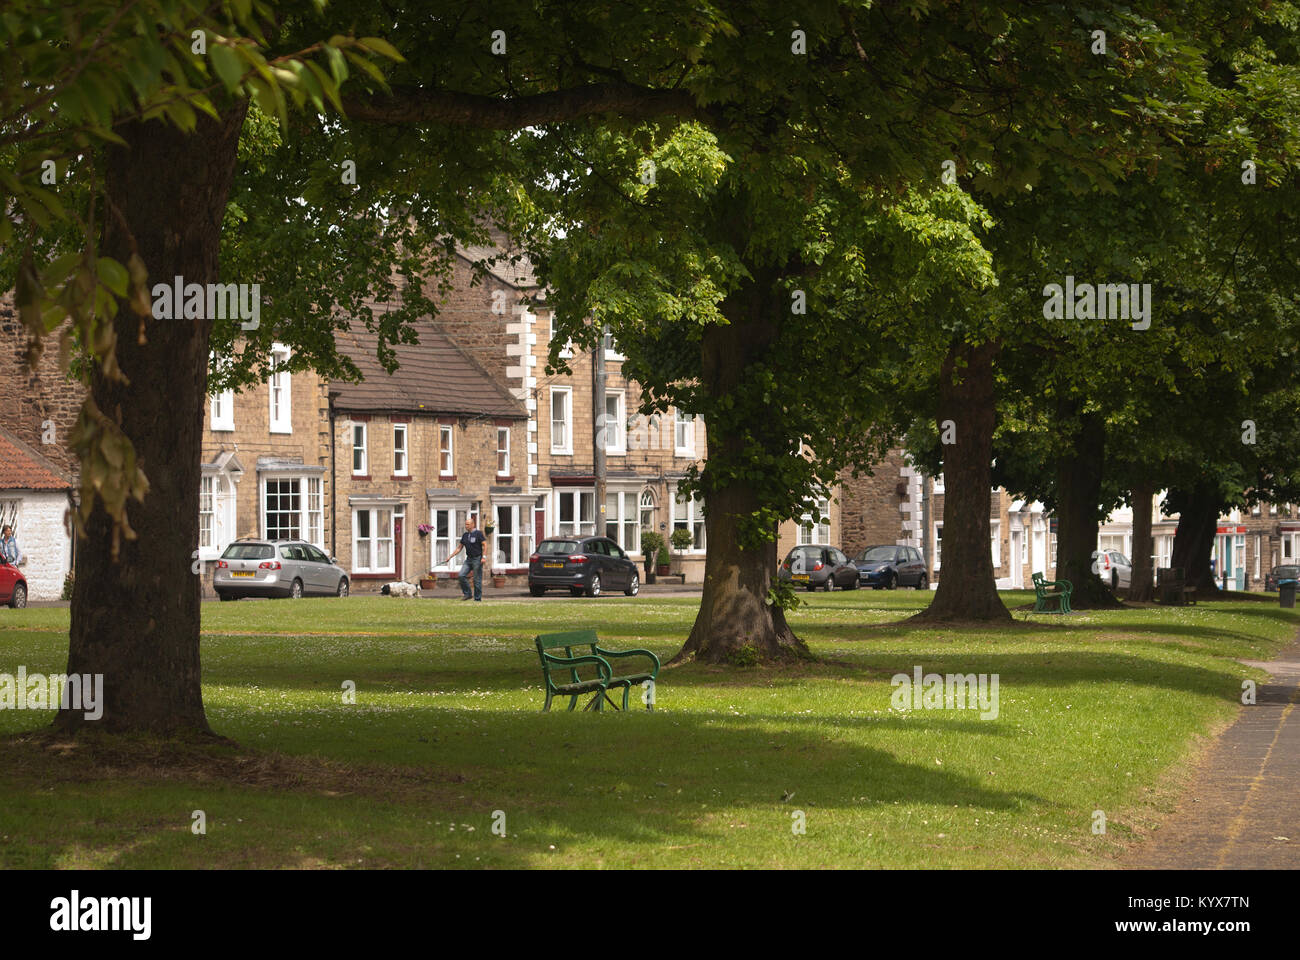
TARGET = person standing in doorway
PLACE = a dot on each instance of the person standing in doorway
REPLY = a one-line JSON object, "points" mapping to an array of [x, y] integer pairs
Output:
{"points": [[471, 541]]}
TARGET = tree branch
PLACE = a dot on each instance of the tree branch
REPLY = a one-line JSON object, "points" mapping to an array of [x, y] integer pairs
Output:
{"points": [[413, 105]]}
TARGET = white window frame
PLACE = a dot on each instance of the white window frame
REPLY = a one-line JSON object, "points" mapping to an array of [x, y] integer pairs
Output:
{"points": [[456, 511], [565, 448], [503, 465], [1259, 546], [612, 353], [938, 482], [221, 411], [376, 539], [208, 511], [520, 542], [401, 453], [311, 514], [692, 518], [995, 542], [938, 544], [360, 429], [615, 431], [623, 513], [683, 434], [279, 390], [577, 526], [567, 350], [816, 534], [447, 446], [644, 504]]}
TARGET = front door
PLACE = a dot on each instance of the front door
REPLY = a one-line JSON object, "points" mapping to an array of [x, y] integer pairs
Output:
{"points": [[398, 553]]}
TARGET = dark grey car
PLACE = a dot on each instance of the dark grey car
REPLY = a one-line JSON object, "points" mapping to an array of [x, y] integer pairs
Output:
{"points": [[582, 564], [812, 566], [277, 568]]}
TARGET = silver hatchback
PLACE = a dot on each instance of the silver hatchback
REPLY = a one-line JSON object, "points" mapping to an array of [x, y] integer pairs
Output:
{"points": [[277, 568]]}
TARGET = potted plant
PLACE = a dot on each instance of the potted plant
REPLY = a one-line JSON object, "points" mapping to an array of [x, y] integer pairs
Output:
{"points": [[424, 529], [681, 539], [661, 562], [498, 579], [651, 544], [429, 582]]}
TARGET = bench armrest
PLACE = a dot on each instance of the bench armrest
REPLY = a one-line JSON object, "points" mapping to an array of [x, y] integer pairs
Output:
{"points": [[1064, 585], [602, 665], [628, 653]]}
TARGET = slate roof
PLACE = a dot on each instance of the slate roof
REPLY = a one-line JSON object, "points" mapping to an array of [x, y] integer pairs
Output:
{"points": [[23, 468], [434, 377]]}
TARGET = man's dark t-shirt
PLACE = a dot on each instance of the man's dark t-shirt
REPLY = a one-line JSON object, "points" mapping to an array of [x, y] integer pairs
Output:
{"points": [[472, 541]]}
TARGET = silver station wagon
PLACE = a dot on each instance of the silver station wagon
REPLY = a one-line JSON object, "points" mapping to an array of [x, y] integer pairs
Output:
{"points": [[277, 568]]}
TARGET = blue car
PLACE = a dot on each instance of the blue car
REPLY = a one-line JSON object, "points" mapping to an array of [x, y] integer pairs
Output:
{"points": [[888, 566]]}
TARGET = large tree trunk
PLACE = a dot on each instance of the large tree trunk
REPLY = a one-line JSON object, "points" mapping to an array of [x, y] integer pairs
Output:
{"points": [[136, 620], [1142, 588], [735, 623], [1198, 519], [967, 588], [1078, 493]]}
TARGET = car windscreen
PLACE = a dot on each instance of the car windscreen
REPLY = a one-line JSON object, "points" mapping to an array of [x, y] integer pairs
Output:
{"points": [[877, 554], [552, 547], [1285, 573], [248, 551]]}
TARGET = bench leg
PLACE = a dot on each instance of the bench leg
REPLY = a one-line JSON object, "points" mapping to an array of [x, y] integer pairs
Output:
{"points": [[547, 705], [573, 702], [627, 688]]}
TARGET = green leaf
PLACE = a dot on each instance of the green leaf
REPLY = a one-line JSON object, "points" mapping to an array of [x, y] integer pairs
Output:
{"points": [[227, 64], [382, 46]]}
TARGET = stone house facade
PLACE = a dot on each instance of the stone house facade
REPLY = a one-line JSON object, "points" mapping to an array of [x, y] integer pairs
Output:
{"points": [[502, 323], [35, 497], [418, 451]]}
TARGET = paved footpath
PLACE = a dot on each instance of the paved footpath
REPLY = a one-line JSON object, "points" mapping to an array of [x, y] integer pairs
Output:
{"points": [[1243, 811]]}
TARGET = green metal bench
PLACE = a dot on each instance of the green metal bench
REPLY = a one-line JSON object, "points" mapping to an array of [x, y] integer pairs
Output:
{"points": [[1042, 598], [576, 686]]}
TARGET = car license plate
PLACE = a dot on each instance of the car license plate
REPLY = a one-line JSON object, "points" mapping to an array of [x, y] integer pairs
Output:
{"points": [[800, 576], [553, 566], [242, 573]]}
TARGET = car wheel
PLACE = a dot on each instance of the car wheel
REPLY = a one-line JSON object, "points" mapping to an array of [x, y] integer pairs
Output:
{"points": [[891, 582], [224, 596], [922, 583], [535, 590], [829, 585], [343, 587], [295, 590], [634, 587], [593, 588], [19, 597]]}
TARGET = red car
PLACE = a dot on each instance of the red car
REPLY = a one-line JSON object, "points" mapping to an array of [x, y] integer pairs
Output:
{"points": [[13, 586]]}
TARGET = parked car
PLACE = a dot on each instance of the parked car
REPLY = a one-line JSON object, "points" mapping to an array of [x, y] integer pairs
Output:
{"points": [[13, 585], [1113, 567], [887, 566], [814, 566], [1287, 572], [582, 565], [277, 568]]}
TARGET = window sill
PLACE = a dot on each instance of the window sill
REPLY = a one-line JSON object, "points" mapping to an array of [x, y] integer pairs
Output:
{"points": [[505, 478], [222, 428], [374, 576], [398, 476], [281, 430], [360, 476], [448, 477]]}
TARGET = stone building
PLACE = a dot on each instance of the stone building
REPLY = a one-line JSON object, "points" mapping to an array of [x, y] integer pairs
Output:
{"points": [[502, 323], [419, 450], [265, 458]]}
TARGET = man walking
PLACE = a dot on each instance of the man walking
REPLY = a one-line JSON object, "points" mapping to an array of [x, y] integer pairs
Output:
{"points": [[471, 541]]}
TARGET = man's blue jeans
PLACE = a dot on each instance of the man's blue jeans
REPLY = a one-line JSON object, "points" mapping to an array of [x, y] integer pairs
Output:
{"points": [[474, 565]]}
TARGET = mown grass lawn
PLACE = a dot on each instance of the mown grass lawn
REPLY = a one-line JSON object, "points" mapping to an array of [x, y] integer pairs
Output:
{"points": [[1098, 711]]}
